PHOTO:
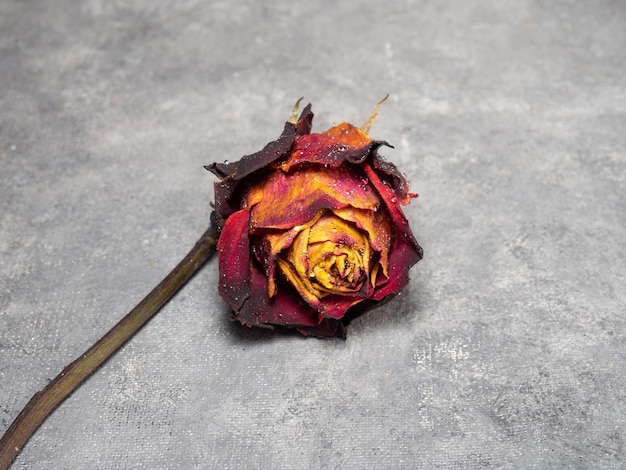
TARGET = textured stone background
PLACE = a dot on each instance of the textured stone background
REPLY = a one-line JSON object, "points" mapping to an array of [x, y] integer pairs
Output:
{"points": [[508, 348]]}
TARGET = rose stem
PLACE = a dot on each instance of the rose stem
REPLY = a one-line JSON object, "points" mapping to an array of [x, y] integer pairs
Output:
{"points": [[43, 403]]}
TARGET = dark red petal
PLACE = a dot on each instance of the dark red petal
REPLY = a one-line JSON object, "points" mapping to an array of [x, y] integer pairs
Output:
{"points": [[272, 151], [402, 256], [234, 260], [393, 205], [405, 251], [339, 144], [251, 163], [397, 180], [286, 308], [231, 174]]}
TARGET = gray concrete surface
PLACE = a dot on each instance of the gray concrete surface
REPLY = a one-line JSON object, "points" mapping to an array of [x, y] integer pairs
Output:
{"points": [[507, 350]]}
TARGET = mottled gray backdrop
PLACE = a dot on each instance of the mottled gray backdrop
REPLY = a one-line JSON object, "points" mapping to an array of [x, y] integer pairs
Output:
{"points": [[507, 350]]}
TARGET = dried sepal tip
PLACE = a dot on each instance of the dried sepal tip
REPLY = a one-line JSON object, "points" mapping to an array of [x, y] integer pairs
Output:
{"points": [[368, 124]]}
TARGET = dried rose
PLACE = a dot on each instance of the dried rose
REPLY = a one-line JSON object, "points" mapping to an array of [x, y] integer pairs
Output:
{"points": [[311, 229]]}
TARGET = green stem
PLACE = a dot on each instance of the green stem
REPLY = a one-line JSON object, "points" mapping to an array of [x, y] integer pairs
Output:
{"points": [[44, 402]]}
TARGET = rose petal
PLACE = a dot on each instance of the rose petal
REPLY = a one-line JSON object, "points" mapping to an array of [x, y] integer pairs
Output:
{"points": [[377, 227], [331, 257], [284, 200], [348, 262], [335, 229], [231, 174], [402, 256], [301, 284], [393, 205], [332, 306], [341, 143], [329, 306], [336, 306], [248, 164], [269, 243], [340, 243], [285, 308], [234, 260]]}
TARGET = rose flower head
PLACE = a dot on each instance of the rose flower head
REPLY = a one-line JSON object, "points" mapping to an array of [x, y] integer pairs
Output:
{"points": [[311, 229]]}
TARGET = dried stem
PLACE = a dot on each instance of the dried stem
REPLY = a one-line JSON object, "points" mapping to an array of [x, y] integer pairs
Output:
{"points": [[44, 402]]}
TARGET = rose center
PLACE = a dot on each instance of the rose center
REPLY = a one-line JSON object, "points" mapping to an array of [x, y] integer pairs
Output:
{"points": [[335, 267], [331, 256]]}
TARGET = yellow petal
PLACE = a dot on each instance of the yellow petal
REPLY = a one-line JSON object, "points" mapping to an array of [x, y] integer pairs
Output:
{"points": [[376, 225], [331, 257], [279, 241]]}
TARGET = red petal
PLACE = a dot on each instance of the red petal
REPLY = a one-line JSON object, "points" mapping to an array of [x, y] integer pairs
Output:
{"points": [[402, 256], [285, 200], [336, 306], [343, 142], [234, 259], [393, 205], [286, 308]]}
